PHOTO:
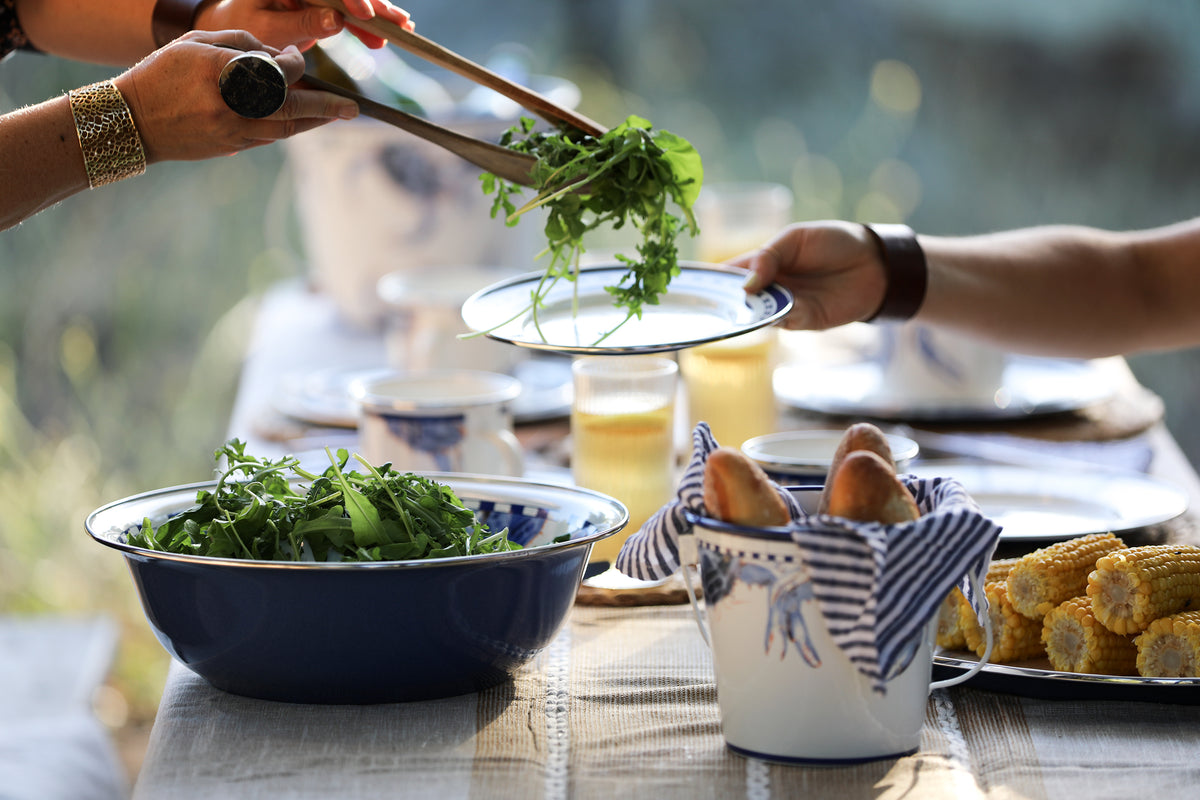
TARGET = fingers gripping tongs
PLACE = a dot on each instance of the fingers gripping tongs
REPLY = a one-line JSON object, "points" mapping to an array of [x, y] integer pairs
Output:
{"points": [[253, 85]]}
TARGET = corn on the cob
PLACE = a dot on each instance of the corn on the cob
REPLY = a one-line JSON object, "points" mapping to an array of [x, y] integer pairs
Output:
{"points": [[1170, 647], [998, 570], [1133, 587], [950, 635], [1041, 580], [1076, 642], [949, 631], [1015, 636]]}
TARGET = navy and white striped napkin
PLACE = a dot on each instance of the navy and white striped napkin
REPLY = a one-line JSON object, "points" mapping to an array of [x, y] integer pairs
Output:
{"points": [[877, 585]]}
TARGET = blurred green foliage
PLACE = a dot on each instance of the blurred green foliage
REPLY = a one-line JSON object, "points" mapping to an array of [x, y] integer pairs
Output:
{"points": [[123, 320]]}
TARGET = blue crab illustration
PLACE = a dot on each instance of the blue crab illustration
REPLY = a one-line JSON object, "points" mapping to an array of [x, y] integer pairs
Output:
{"points": [[785, 599], [936, 358], [436, 436], [785, 612]]}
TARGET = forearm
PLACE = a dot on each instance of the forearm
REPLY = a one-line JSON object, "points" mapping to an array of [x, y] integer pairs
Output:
{"points": [[40, 160], [1068, 291], [116, 32], [166, 108]]}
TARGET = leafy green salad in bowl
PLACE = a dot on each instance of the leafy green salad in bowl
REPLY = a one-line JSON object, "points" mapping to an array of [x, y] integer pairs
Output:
{"points": [[257, 511], [353, 586]]}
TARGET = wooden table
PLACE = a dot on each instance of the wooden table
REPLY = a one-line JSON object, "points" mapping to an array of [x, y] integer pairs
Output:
{"points": [[623, 703]]}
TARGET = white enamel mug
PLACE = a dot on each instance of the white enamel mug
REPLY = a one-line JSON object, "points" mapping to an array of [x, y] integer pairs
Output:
{"points": [[424, 322], [786, 691], [929, 366], [440, 420]]}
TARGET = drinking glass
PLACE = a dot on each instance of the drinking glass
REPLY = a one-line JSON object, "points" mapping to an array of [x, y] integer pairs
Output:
{"points": [[736, 217], [730, 385], [622, 432]]}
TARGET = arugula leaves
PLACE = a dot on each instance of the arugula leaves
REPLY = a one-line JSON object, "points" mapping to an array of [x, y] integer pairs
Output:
{"points": [[625, 176], [256, 512]]}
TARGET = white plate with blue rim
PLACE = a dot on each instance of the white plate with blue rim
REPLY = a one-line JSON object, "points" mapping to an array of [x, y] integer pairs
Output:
{"points": [[1029, 387], [703, 303], [1053, 504], [323, 397]]}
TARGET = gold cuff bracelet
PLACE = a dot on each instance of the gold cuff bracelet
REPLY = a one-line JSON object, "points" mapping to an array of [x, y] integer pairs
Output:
{"points": [[112, 148]]}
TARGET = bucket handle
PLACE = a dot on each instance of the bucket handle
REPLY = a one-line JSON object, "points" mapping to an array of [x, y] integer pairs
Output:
{"points": [[689, 556], [987, 650]]}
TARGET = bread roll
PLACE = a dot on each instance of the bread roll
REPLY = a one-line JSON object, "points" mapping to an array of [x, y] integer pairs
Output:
{"points": [[859, 436], [866, 489], [737, 490]]}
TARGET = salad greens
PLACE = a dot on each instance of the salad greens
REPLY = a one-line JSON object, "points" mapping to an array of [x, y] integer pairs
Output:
{"points": [[256, 512], [625, 176]]}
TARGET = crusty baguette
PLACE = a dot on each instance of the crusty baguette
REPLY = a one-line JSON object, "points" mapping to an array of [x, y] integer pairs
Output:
{"points": [[866, 489], [859, 436], [737, 490]]}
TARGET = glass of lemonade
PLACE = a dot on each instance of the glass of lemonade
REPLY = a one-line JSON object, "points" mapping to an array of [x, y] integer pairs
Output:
{"points": [[623, 436], [730, 382], [730, 385], [736, 217]]}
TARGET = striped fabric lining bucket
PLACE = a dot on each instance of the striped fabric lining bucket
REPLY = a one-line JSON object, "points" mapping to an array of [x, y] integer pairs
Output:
{"points": [[876, 586]]}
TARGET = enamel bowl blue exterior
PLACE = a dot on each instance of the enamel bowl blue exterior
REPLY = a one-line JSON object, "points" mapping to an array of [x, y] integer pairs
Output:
{"points": [[369, 633]]}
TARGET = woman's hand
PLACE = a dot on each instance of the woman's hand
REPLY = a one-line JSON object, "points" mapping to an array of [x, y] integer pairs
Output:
{"points": [[280, 23], [177, 106], [833, 270]]}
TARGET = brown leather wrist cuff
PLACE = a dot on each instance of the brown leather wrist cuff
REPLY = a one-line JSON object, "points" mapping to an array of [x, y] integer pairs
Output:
{"points": [[173, 18], [906, 271]]}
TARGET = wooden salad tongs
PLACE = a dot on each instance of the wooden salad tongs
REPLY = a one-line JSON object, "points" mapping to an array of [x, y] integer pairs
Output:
{"points": [[254, 86], [500, 161], [440, 56]]}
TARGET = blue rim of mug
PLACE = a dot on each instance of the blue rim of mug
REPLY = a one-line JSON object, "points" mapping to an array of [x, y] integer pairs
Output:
{"points": [[769, 533], [754, 531], [746, 752]]}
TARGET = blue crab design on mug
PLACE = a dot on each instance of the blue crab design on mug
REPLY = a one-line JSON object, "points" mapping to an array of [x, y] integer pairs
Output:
{"points": [[438, 437], [786, 594]]}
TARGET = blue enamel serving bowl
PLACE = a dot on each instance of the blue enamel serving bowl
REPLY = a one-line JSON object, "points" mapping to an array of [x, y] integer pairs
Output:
{"points": [[369, 632]]}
